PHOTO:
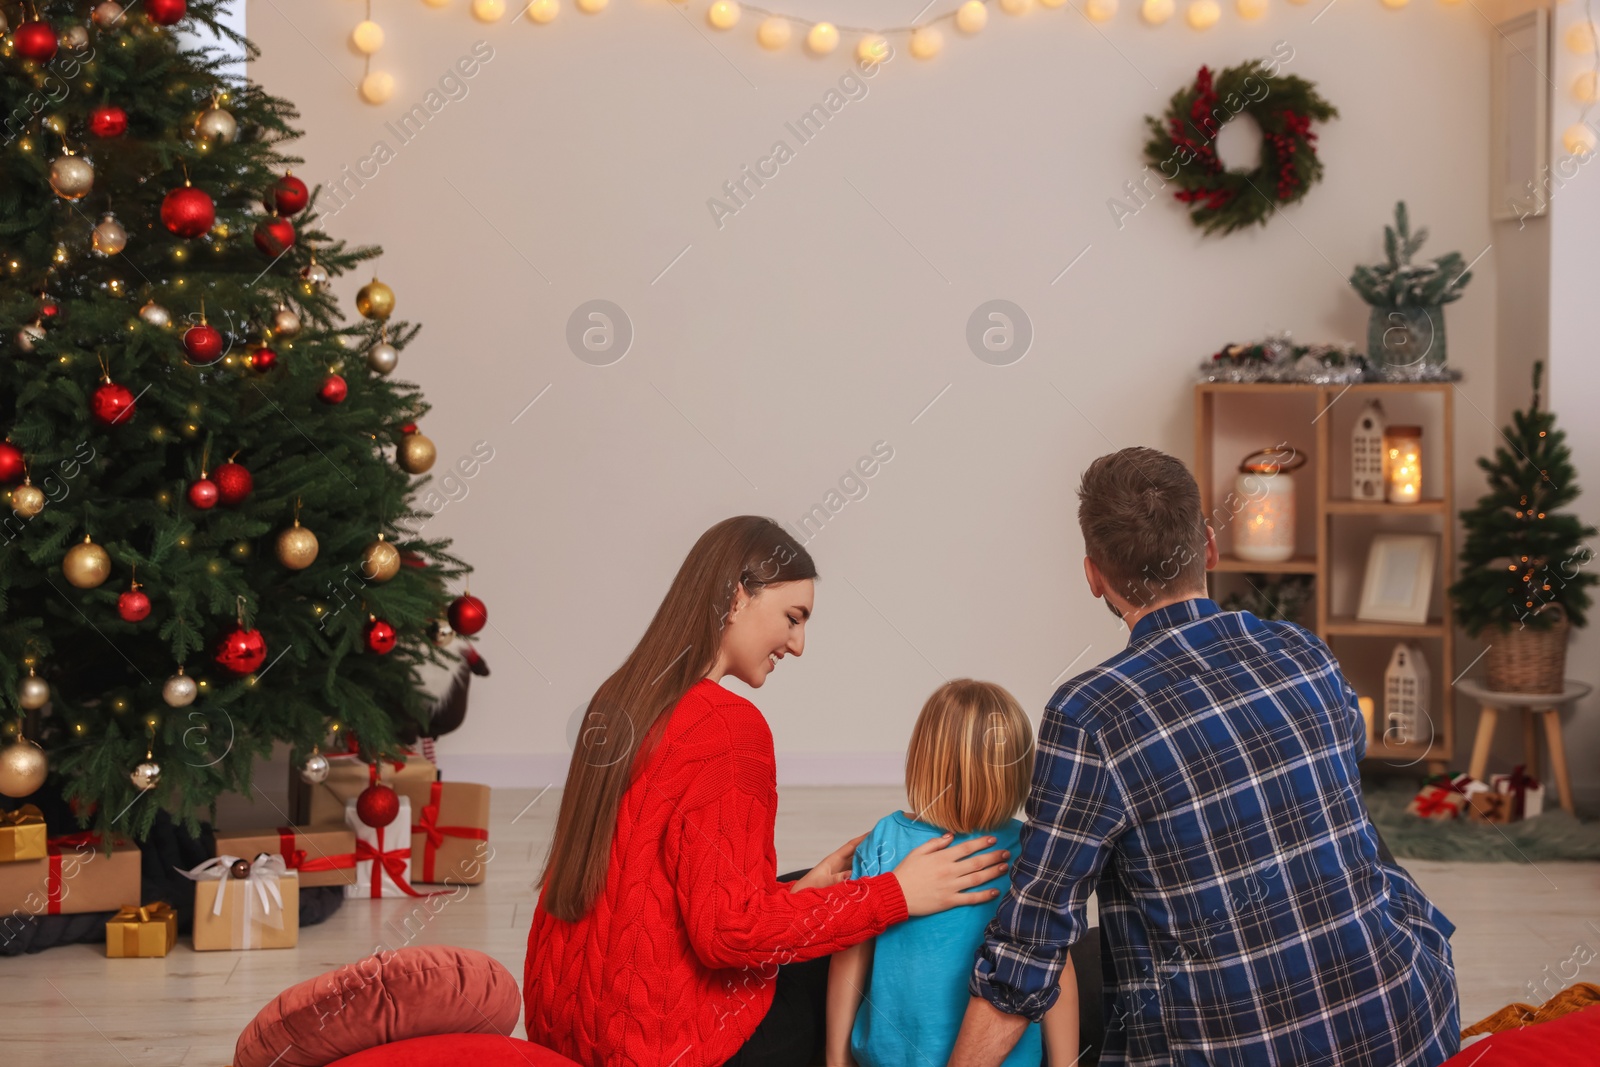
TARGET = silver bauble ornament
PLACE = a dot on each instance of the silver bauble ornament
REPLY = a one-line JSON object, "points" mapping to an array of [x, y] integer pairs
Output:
{"points": [[155, 315], [71, 177], [315, 273], [147, 775], [441, 633], [23, 768], [4, 25], [29, 335], [180, 690], [315, 769], [285, 323], [74, 38], [218, 125], [33, 692], [383, 357], [109, 237], [107, 14]]}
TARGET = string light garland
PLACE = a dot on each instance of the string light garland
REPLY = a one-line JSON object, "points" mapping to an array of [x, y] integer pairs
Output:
{"points": [[1583, 38]]}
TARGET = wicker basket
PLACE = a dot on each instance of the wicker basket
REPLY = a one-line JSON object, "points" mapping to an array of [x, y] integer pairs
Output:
{"points": [[1524, 660]]}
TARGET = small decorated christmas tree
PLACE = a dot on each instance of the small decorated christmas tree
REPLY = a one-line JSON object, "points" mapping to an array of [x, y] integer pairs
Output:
{"points": [[1521, 553], [206, 548]]}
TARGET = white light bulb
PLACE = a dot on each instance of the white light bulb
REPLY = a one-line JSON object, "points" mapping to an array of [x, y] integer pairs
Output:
{"points": [[1203, 14], [1580, 38], [1100, 10], [367, 37], [724, 14], [822, 38], [872, 49], [773, 33], [1578, 139], [925, 42], [1251, 9], [591, 7], [971, 16], [542, 11], [377, 86], [1586, 88], [488, 10], [1155, 12], [1015, 7]]}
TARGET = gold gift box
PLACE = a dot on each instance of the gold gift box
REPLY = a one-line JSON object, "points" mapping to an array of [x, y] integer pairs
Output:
{"points": [[235, 926], [22, 834], [147, 931]]}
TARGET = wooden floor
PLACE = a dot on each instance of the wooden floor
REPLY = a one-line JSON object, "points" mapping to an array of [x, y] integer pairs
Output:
{"points": [[67, 1005]]}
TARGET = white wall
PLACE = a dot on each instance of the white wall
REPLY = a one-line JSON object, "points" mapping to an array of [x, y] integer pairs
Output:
{"points": [[829, 312]]}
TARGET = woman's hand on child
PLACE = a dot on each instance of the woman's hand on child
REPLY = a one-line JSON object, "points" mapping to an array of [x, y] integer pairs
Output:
{"points": [[934, 875], [832, 870]]}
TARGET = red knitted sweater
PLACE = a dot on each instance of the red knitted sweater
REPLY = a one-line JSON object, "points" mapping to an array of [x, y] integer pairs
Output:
{"points": [[673, 966]]}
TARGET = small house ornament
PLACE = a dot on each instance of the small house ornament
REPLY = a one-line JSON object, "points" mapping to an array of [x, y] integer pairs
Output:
{"points": [[1405, 697], [1366, 453]]}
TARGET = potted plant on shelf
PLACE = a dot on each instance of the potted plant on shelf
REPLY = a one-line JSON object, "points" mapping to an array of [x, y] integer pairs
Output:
{"points": [[1524, 565], [1405, 332]]}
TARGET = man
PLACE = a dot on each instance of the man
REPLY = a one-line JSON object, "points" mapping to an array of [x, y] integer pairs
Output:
{"points": [[1205, 782]]}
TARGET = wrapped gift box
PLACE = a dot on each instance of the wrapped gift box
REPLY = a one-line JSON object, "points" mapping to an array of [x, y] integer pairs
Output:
{"points": [[383, 855], [449, 840], [1489, 806], [147, 931], [323, 804], [1532, 792], [22, 835], [76, 876], [259, 911], [322, 855]]}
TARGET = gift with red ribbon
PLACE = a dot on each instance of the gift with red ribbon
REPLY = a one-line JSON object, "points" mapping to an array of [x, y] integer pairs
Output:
{"points": [[322, 804], [382, 868], [322, 855], [75, 877], [448, 838], [1527, 795]]}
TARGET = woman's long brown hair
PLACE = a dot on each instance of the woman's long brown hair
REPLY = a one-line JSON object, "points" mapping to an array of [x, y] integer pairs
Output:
{"points": [[678, 648]]}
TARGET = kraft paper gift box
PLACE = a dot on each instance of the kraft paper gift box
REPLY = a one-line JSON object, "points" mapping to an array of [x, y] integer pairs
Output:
{"points": [[322, 855], [259, 911], [449, 838], [383, 856], [22, 834], [75, 877], [148, 931], [323, 804], [1532, 793]]}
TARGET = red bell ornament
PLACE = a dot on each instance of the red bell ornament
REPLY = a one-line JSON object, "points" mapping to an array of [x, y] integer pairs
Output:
{"points": [[108, 120], [289, 195], [187, 211], [378, 805], [380, 636], [467, 614], [234, 483], [274, 236]]}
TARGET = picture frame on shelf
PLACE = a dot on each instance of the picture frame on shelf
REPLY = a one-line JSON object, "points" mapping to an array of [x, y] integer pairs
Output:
{"points": [[1398, 583]]}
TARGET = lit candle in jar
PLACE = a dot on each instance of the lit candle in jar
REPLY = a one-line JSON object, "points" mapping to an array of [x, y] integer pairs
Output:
{"points": [[1402, 464], [1265, 533]]}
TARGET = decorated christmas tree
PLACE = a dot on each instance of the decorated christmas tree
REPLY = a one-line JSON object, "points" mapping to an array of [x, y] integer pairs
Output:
{"points": [[1521, 553], [209, 546]]}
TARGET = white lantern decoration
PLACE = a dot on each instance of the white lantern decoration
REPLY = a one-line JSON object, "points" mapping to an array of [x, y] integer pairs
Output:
{"points": [[1405, 697], [1265, 531], [1366, 453]]}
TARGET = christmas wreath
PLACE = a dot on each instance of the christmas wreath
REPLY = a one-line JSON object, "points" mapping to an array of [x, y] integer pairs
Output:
{"points": [[1182, 145]]}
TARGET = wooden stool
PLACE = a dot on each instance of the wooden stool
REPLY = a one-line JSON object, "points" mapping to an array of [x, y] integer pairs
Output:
{"points": [[1532, 705]]}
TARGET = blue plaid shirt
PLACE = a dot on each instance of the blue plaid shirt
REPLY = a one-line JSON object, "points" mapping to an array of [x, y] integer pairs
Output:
{"points": [[1204, 780]]}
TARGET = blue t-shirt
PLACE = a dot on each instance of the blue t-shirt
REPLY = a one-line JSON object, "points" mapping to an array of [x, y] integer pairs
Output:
{"points": [[916, 994]]}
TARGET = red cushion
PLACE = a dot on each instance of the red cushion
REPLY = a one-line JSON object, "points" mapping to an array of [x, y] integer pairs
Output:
{"points": [[1569, 1040], [451, 1050], [389, 996]]}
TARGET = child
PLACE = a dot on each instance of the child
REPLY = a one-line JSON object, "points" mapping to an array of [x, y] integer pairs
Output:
{"points": [[897, 1000]]}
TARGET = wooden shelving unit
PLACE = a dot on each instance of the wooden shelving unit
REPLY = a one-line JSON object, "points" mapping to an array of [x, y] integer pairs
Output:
{"points": [[1300, 411]]}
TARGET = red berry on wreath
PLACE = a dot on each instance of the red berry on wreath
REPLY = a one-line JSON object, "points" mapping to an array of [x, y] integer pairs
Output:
{"points": [[467, 614], [35, 40], [11, 465], [203, 493], [111, 403], [380, 635], [378, 805], [233, 483], [334, 389], [263, 359], [203, 343], [108, 120], [241, 651], [289, 194], [165, 12], [187, 211], [274, 236], [133, 605]]}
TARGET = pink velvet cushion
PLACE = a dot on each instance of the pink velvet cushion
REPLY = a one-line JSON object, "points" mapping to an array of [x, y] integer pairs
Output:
{"points": [[389, 996], [1570, 1040], [451, 1050]]}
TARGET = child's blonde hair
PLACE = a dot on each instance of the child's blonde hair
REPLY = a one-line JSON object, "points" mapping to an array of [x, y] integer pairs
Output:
{"points": [[970, 759]]}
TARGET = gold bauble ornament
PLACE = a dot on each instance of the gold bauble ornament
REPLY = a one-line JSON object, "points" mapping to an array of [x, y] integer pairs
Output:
{"points": [[27, 499], [74, 38], [86, 565], [375, 300], [23, 768], [107, 14], [416, 453], [380, 561], [297, 547], [217, 125], [30, 335], [285, 323], [154, 314], [146, 776], [441, 633], [109, 237], [71, 177], [315, 273], [33, 692]]}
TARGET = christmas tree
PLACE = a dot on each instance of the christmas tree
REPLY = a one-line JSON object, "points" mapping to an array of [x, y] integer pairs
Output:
{"points": [[1520, 553], [207, 548]]}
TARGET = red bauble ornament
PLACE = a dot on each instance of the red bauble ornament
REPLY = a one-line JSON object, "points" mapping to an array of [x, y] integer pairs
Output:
{"points": [[188, 212], [165, 12], [241, 651], [11, 465], [378, 805], [233, 483], [289, 195], [111, 404], [133, 606], [203, 494], [334, 389], [274, 236], [263, 359], [467, 614], [203, 343], [380, 636], [48, 308], [108, 120], [35, 40]]}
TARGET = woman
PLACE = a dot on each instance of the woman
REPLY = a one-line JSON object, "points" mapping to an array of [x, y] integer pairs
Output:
{"points": [[662, 936]]}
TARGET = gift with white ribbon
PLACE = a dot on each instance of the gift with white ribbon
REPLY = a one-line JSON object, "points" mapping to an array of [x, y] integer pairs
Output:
{"points": [[260, 910]]}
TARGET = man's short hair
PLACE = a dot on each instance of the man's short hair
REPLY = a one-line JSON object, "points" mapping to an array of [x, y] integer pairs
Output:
{"points": [[1143, 525]]}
